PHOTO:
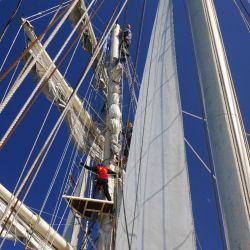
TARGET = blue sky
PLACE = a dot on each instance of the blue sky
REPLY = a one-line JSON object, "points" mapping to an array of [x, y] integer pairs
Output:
{"points": [[15, 152]]}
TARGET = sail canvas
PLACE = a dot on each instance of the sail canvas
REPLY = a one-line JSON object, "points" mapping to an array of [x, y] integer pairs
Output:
{"points": [[156, 212]]}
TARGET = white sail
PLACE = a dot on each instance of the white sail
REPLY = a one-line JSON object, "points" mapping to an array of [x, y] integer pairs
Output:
{"points": [[156, 190]]}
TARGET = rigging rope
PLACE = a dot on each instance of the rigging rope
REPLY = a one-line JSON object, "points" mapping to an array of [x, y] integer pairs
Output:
{"points": [[11, 79], [21, 77], [131, 96], [52, 8], [12, 44], [39, 87], [33, 228], [197, 155], [10, 20], [192, 115], [53, 181], [48, 13], [245, 21], [244, 7], [60, 195], [54, 131], [7, 71]]}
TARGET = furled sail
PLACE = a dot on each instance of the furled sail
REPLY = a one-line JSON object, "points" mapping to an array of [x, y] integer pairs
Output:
{"points": [[156, 212]]}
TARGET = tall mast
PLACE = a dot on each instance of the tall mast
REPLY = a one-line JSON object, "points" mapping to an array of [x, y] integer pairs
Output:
{"points": [[229, 147], [113, 128]]}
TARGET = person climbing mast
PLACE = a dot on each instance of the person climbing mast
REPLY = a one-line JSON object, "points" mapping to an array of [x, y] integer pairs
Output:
{"points": [[126, 37], [102, 172], [127, 132]]}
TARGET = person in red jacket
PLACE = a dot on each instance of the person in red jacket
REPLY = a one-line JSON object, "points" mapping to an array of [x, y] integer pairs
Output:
{"points": [[102, 172]]}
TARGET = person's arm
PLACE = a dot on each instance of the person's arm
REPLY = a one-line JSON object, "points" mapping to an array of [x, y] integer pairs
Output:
{"points": [[93, 169], [112, 172]]}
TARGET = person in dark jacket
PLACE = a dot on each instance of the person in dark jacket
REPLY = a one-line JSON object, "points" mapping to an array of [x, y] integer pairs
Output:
{"points": [[102, 172], [127, 132], [126, 36]]}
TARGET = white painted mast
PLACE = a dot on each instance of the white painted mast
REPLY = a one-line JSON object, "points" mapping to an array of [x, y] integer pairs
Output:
{"points": [[229, 147], [113, 126]]}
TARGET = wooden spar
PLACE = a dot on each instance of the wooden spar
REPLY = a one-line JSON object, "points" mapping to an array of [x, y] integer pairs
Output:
{"points": [[34, 222], [77, 105], [89, 41]]}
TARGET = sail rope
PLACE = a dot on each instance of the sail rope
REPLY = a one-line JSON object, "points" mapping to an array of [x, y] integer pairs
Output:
{"points": [[11, 46], [36, 57], [50, 188], [23, 54], [205, 129], [197, 155], [244, 19], [72, 56], [49, 9], [55, 214], [193, 115], [10, 82], [52, 223], [125, 17], [73, 191], [10, 20], [25, 165], [35, 210], [26, 184], [136, 56], [45, 13], [36, 140], [245, 8], [73, 161], [36, 166], [39, 87], [33, 146], [136, 77]]}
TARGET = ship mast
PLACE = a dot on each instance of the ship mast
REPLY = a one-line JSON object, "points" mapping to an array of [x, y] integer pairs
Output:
{"points": [[229, 147]]}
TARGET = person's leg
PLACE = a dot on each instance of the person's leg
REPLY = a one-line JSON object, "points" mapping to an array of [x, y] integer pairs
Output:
{"points": [[106, 192]]}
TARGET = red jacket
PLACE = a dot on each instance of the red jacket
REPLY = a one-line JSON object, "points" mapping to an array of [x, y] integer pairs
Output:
{"points": [[102, 172]]}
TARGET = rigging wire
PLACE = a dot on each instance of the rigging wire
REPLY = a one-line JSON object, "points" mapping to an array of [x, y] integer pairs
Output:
{"points": [[25, 165], [73, 54], [52, 8], [11, 79], [21, 77], [73, 157], [60, 120], [197, 155], [136, 62], [245, 8], [25, 186], [10, 20], [54, 131], [50, 187], [7, 71], [39, 87], [125, 15], [48, 13], [12, 44], [60, 163], [245, 21], [192, 115]]}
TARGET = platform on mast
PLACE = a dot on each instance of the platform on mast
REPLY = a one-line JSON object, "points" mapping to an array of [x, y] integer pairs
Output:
{"points": [[84, 207]]}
